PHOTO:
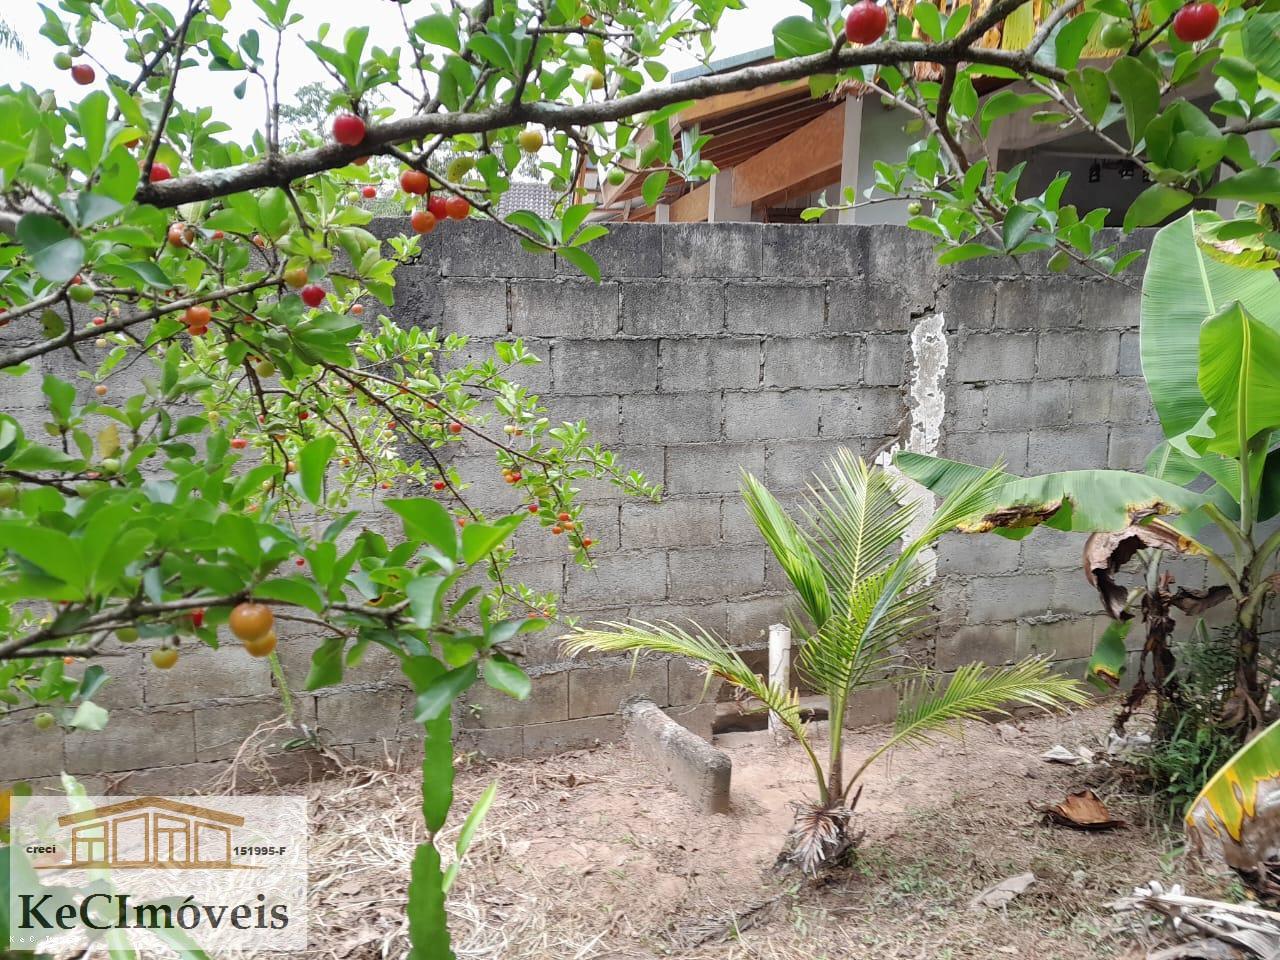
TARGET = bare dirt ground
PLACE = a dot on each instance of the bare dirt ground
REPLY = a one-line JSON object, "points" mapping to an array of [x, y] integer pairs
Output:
{"points": [[585, 856]]}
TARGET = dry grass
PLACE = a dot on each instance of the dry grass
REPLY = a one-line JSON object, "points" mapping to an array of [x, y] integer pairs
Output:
{"points": [[585, 856]]}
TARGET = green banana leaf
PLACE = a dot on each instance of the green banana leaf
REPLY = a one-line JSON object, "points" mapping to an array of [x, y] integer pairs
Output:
{"points": [[1236, 818], [1082, 501], [1183, 286], [1110, 658], [1239, 377]]}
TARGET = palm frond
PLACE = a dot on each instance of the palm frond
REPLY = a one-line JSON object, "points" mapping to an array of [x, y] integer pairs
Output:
{"points": [[819, 835], [697, 644], [971, 499], [790, 547], [856, 518], [929, 706]]}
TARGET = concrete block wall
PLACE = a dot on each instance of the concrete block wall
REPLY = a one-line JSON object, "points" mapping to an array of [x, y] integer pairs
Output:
{"points": [[706, 350]]}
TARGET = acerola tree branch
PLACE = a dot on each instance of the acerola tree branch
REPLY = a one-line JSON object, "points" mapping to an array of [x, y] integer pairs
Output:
{"points": [[381, 138]]}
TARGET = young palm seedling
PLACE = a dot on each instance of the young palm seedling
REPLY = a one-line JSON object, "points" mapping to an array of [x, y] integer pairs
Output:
{"points": [[861, 589]]}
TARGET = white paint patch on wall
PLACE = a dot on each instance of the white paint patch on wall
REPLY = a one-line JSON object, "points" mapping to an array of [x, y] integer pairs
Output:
{"points": [[927, 404]]}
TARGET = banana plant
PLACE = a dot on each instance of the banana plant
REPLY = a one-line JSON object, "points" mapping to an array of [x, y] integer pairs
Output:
{"points": [[1236, 817], [861, 588], [1210, 347]]}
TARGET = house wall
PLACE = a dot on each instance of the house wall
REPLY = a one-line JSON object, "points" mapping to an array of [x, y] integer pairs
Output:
{"points": [[707, 350]]}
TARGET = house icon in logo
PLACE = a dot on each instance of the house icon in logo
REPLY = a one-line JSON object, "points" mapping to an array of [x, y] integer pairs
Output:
{"points": [[151, 833]]}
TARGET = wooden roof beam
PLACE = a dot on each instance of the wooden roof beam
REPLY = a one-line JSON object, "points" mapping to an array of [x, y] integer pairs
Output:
{"points": [[803, 157]]}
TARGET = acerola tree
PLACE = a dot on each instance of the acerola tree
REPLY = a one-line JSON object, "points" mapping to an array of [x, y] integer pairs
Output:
{"points": [[226, 294]]}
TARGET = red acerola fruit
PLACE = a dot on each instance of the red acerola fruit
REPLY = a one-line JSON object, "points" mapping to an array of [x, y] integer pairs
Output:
{"points": [[1195, 22], [160, 171], [369, 192], [422, 221], [438, 485], [457, 208], [437, 203], [312, 294], [415, 182], [348, 129], [866, 22], [455, 427], [82, 74]]}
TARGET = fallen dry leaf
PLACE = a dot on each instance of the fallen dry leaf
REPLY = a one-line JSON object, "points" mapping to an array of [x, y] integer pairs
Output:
{"points": [[1082, 810], [1000, 894], [1061, 754]]}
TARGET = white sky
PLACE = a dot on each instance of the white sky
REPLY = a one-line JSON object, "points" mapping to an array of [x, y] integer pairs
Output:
{"points": [[740, 31]]}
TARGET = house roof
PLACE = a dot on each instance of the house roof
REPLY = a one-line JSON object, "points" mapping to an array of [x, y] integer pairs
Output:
{"points": [[141, 803]]}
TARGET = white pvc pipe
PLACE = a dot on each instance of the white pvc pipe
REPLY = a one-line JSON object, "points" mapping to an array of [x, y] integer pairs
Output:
{"points": [[779, 666]]}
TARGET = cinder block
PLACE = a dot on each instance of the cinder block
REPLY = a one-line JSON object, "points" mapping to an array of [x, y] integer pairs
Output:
{"points": [[689, 682], [1028, 405], [1130, 356], [775, 308], [360, 716], [712, 617], [564, 308], [222, 728], [812, 250], [764, 415], [1048, 304], [888, 248], [132, 740], [1048, 549], [671, 523], [486, 708], [29, 752], [750, 619], [1131, 444], [866, 412], [669, 309], [618, 579], [1131, 401], [544, 739], [698, 718], [816, 362], [1057, 639], [712, 249], [627, 250], [419, 300], [1086, 354], [1073, 594], [698, 468], [727, 362], [993, 357], [123, 689], [603, 415], [993, 643], [1075, 448], [968, 304], [483, 248], [792, 463], [670, 417], [862, 304], [474, 308], [985, 449], [871, 705], [690, 764], [886, 364], [997, 599], [505, 743], [604, 366], [963, 554], [597, 689], [1090, 400], [712, 572], [203, 673]]}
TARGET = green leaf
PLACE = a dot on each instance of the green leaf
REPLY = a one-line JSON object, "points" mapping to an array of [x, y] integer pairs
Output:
{"points": [[1259, 185], [424, 597], [1081, 501], [1182, 287], [89, 716], [1107, 665], [1260, 42], [1239, 378], [51, 550], [469, 827], [293, 590], [966, 251], [798, 37], [440, 30], [1155, 204], [425, 519], [1006, 102], [582, 260], [313, 463], [436, 700], [481, 539], [1092, 92], [1072, 37], [505, 677], [654, 184], [1017, 224], [326, 664], [1139, 92]]}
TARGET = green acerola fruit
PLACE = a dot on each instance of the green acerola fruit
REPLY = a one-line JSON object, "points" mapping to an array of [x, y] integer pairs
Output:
{"points": [[616, 176], [127, 635], [44, 721], [914, 208], [80, 293], [63, 60], [1116, 35]]}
